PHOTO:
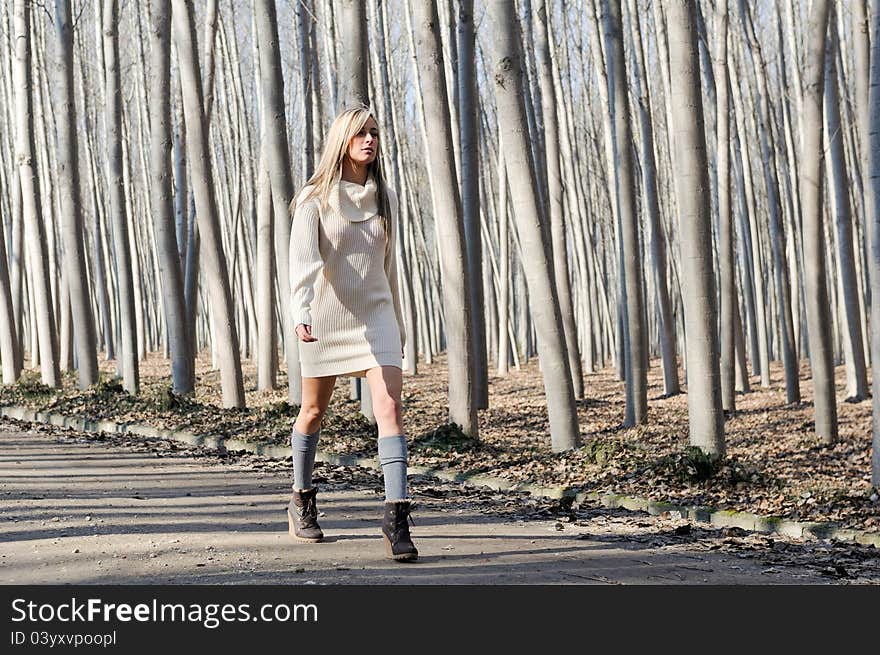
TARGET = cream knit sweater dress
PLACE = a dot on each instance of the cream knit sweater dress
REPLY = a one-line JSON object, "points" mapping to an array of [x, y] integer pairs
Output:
{"points": [[343, 282]]}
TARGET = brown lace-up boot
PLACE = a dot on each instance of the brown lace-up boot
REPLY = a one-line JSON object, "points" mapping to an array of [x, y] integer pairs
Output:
{"points": [[302, 516], [398, 543]]}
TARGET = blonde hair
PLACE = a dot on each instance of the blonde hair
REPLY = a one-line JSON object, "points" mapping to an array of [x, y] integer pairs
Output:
{"points": [[344, 128]]}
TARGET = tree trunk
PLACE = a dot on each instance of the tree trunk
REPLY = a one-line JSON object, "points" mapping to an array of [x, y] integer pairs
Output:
{"points": [[470, 194], [10, 354], [777, 230], [861, 74], [544, 308], [751, 243], [16, 255], [180, 343], [630, 251], [652, 209], [815, 286], [726, 254], [25, 154], [857, 375], [873, 221], [410, 358], [128, 361], [352, 72], [692, 195], [225, 335], [281, 182], [304, 17], [504, 260], [450, 230], [267, 349], [554, 188]]}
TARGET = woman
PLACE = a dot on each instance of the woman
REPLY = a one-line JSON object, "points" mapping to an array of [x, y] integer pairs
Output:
{"points": [[346, 309]]}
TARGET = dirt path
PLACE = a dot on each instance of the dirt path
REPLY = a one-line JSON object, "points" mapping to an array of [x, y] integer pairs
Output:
{"points": [[80, 509]]}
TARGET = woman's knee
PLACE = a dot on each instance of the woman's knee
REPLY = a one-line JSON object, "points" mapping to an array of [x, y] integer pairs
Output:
{"points": [[311, 413], [387, 409]]}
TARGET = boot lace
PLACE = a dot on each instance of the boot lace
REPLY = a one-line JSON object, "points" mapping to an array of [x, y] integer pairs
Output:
{"points": [[400, 520], [308, 513]]}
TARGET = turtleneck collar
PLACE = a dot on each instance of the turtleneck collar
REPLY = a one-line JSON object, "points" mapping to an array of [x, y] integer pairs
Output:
{"points": [[355, 202]]}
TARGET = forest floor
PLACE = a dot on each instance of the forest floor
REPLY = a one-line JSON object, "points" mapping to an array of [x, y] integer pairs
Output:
{"points": [[775, 465]]}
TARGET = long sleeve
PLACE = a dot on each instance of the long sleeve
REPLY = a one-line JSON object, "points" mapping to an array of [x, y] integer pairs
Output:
{"points": [[305, 261], [391, 265]]}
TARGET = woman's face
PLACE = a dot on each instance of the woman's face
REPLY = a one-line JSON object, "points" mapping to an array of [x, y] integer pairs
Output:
{"points": [[364, 145]]}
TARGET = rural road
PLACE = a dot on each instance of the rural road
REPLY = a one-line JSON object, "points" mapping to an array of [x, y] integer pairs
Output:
{"points": [[82, 509]]}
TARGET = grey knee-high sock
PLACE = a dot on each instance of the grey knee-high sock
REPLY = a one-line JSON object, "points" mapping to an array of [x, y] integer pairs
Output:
{"points": [[304, 447], [392, 457]]}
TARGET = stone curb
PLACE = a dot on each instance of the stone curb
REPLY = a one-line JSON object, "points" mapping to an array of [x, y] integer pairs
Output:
{"points": [[696, 513]]}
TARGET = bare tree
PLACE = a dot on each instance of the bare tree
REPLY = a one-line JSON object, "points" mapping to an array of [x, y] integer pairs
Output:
{"points": [[449, 225], [815, 287], [128, 360], [309, 81], [179, 338], [777, 229], [267, 350], [726, 254], [554, 187], [70, 201], [278, 162], [861, 47], [854, 351], [353, 87], [652, 209], [10, 353], [470, 191], [692, 194], [873, 221], [544, 308], [630, 251], [216, 272], [35, 234]]}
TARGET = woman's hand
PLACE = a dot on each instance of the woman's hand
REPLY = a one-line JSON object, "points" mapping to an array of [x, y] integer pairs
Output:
{"points": [[304, 332]]}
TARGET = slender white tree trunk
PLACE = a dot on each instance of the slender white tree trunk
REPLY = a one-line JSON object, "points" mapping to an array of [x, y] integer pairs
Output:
{"points": [[280, 175], [554, 187], [504, 259], [652, 209], [692, 195], [10, 354], [841, 177], [267, 349], [726, 256], [815, 285], [630, 251], [470, 192], [128, 360], [70, 200], [861, 75], [216, 271], [544, 307], [450, 228], [352, 76], [180, 343], [873, 222], [35, 235]]}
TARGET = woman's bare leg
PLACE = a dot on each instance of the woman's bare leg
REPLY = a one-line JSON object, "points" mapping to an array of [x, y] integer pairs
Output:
{"points": [[386, 383], [316, 394]]}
